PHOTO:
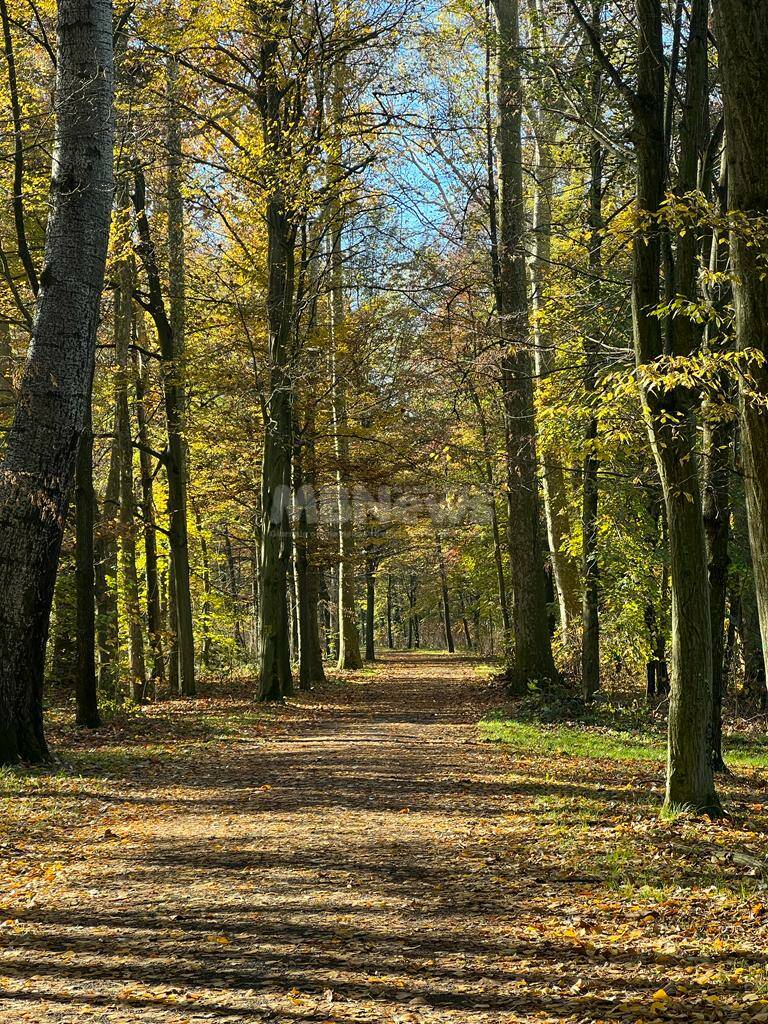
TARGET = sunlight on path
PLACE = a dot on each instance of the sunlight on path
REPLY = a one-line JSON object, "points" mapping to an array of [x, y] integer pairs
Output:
{"points": [[368, 866]]}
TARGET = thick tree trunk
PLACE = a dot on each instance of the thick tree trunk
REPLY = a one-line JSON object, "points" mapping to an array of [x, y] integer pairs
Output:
{"points": [[690, 781], [87, 713], [275, 678], [171, 625], [533, 649], [39, 463], [742, 34], [7, 392]]}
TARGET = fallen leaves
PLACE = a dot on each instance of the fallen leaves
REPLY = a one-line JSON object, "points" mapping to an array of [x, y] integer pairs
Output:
{"points": [[374, 865]]}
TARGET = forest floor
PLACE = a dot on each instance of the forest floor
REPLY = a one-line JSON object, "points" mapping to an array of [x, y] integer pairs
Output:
{"points": [[372, 853]]}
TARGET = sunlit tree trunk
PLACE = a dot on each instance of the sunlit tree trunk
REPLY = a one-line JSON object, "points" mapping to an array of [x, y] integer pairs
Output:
{"points": [[174, 380], [154, 611], [123, 333], [106, 552], [564, 568], [533, 650]]}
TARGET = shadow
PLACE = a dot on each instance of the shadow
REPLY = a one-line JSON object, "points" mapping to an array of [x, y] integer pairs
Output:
{"points": [[374, 851]]}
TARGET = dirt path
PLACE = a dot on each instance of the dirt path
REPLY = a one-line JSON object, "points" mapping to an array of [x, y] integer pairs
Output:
{"points": [[368, 866]]}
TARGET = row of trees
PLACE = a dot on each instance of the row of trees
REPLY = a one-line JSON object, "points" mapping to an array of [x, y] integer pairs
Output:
{"points": [[349, 324]]}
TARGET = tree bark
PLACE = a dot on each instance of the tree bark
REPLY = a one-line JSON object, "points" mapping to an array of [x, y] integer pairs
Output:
{"points": [[205, 654], [174, 380], [370, 607], [123, 336], [690, 782], [390, 638], [445, 601], [87, 706], [590, 618], [742, 34], [717, 447], [565, 571], [39, 463], [533, 649], [154, 610], [106, 551], [183, 677]]}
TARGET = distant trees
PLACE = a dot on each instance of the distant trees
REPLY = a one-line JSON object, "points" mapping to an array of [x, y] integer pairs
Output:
{"points": [[431, 331]]}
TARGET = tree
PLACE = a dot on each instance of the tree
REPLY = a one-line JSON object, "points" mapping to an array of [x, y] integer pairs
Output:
{"points": [[742, 34], [39, 463], [533, 650]]}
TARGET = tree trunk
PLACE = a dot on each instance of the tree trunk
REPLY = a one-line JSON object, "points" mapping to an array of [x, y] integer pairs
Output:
{"points": [[87, 714], [174, 380], [370, 598], [445, 600], [349, 640], [154, 610], [690, 782], [39, 462], [123, 334], [464, 622], [311, 671], [182, 675], [590, 620], [390, 639], [275, 679], [106, 551], [205, 654], [533, 649], [717, 446], [494, 517], [742, 34], [234, 590], [565, 571]]}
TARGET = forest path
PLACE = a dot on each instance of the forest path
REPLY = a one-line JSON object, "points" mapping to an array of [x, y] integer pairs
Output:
{"points": [[378, 862]]}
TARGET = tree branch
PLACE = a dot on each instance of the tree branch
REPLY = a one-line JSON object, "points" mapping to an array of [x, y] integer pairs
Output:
{"points": [[609, 67]]}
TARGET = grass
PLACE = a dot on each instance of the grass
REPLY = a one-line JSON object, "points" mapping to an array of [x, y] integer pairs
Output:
{"points": [[578, 739], [572, 740]]}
